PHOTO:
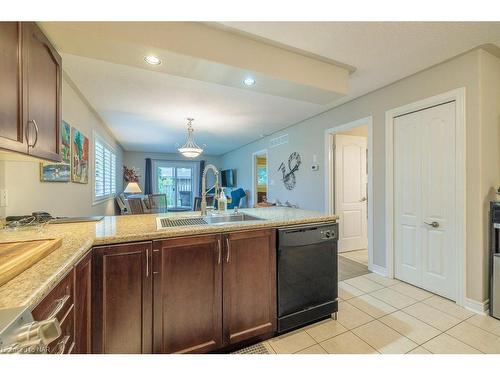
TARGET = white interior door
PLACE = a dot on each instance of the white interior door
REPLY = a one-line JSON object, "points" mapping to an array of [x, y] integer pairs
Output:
{"points": [[424, 195], [351, 191]]}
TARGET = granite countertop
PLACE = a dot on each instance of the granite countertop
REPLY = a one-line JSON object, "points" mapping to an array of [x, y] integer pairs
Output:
{"points": [[29, 288]]}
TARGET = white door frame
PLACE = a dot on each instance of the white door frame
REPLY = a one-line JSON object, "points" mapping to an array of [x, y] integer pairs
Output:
{"points": [[330, 186], [458, 96], [254, 176]]}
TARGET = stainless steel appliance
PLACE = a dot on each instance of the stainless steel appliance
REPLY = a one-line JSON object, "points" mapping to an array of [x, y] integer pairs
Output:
{"points": [[19, 333], [307, 274], [495, 259]]}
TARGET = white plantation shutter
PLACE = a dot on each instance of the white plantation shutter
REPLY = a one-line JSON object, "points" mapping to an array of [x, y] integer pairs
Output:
{"points": [[105, 170]]}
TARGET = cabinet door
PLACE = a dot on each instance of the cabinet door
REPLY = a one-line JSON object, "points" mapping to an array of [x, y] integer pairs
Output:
{"points": [[121, 299], [11, 125], [42, 93], [83, 295], [187, 294], [249, 285]]}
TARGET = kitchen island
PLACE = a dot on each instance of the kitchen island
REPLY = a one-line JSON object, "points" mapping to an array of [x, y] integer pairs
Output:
{"points": [[115, 233]]}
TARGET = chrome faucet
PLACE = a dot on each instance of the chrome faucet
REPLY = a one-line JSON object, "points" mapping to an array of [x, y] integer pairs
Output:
{"points": [[204, 185]]}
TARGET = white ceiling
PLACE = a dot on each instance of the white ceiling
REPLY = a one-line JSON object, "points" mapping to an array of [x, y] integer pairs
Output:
{"points": [[381, 52], [146, 110]]}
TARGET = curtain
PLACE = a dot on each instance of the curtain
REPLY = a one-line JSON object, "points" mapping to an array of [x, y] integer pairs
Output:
{"points": [[148, 178], [202, 167]]}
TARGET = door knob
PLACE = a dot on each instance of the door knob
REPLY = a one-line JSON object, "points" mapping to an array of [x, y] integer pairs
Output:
{"points": [[434, 224], [362, 199]]}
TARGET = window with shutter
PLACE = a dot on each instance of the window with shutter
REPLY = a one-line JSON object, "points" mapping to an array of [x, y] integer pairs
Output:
{"points": [[105, 170]]}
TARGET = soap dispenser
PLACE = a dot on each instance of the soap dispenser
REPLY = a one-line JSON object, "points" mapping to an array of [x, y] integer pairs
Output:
{"points": [[222, 201]]}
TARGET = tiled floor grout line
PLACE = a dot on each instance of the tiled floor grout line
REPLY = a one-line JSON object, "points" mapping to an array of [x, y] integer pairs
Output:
{"points": [[456, 338], [475, 326], [397, 309], [402, 310], [354, 333]]}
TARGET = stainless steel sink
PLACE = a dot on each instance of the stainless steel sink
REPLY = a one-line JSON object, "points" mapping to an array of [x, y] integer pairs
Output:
{"points": [[222, 219], [218, 219]]}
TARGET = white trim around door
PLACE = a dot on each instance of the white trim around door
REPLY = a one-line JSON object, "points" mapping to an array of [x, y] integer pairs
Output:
{"points": [[330, 186], [254, 174], [458, 96]]}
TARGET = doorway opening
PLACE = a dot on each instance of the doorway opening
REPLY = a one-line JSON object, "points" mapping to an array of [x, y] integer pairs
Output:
{"points": [[348, 150], [260, 178]]}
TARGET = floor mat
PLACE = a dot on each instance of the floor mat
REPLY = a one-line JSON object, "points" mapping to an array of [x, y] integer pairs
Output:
{"points": [[349, 268], [259, 348]]}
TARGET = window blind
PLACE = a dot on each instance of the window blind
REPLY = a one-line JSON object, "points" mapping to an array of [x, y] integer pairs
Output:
{"points": [[105, 171]]}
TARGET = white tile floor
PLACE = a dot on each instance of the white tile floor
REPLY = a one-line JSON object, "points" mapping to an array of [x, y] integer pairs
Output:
{"points": [[380, 315], [360, 256]]}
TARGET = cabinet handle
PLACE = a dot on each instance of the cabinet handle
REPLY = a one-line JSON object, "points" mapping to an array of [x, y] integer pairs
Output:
{"points": [[147, 262], [220, 250], [36, 133], [61, 346], [228, 249], [59, 305]]}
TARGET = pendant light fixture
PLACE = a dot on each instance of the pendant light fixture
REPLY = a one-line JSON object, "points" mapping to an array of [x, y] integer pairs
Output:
{"points": [[190, 148]]}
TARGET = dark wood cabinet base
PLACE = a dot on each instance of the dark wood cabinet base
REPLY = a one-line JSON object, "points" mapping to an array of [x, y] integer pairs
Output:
{"points": [[201, 294]]}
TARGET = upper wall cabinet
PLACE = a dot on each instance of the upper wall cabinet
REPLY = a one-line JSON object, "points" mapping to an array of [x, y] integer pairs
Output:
{"points": [[30, 91], [41, 93], [11, 124]]}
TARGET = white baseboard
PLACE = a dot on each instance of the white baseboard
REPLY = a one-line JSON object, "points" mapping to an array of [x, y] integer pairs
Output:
{"points": [[476, 306], [382, 271]]}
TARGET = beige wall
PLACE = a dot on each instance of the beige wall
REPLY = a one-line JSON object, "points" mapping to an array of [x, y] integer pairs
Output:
{"points": [[489, 84], [307, 138], [360, 131], [22, 178]]}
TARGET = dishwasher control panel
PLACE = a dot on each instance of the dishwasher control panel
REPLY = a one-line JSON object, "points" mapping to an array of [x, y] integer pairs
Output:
{"points": [[328, 234]]}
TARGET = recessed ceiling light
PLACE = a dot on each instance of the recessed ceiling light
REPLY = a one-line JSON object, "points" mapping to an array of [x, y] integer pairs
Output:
{"points": [[249, 81], [153, 60]]}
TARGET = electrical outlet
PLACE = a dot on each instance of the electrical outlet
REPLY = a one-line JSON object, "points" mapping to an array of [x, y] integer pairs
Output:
{"points": [[3, 198]]}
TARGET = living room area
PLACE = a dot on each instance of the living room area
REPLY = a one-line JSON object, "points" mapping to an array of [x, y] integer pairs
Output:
{"points": [[159, 183]]}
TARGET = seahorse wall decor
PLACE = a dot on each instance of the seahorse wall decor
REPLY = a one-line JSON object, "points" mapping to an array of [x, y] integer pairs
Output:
{"points": [[289, 179]]}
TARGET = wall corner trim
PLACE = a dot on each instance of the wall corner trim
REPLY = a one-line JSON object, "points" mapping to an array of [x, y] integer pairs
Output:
{"points": [[478, 307]]}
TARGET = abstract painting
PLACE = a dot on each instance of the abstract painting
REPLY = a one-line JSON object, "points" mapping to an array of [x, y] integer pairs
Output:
{"points": [[65, 142], [79, 157], [59, 172], [54, 172]]}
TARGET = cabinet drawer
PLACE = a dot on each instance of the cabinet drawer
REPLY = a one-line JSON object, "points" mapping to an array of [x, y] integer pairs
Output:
{"points": [[57, 302], [65, 343]]}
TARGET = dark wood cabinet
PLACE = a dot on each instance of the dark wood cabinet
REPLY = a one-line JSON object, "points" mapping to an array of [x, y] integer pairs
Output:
{"points": [[83, 300], [187, 294], [30, 91], [194, 294], [41, 93], [11, 123], [122, 299], [213, 291], [249, 280], [59, 303]]}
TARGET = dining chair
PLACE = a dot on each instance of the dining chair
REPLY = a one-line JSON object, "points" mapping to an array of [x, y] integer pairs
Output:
{"points": [[135, 206], [197, 204], [157, 203]]}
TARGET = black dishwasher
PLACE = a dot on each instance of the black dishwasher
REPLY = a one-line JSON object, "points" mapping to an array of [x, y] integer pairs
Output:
{"points": [[307, 274]]}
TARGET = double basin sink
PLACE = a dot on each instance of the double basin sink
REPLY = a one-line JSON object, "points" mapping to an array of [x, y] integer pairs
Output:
{"points": [[218, 219]]}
